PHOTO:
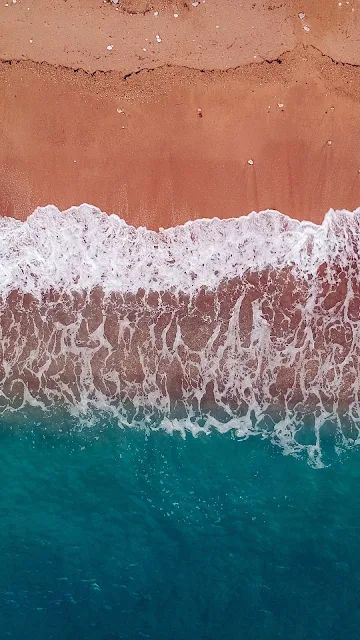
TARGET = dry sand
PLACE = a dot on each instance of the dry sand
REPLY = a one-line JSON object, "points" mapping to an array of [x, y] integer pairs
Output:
{"points": [[165, 135]]}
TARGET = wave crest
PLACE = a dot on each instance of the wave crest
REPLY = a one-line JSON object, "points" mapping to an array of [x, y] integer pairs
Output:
{"points": [[83, 248]]}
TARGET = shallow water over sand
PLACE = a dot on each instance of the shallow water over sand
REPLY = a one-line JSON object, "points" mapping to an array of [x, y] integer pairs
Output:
{"points": [[249, 325]]}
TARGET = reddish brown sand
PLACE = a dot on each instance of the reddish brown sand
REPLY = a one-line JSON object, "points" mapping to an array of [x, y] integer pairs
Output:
{"points": [[165, 135]]}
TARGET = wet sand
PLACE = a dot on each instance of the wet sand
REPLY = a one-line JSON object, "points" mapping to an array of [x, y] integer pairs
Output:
{"points": [[257, 113]]}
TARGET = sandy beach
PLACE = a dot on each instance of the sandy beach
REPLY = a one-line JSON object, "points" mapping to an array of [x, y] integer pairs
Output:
{"points": [[205, 109]]}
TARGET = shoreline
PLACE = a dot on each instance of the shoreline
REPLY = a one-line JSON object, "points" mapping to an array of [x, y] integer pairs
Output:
{"points": [[169, 145], [236, 109]]}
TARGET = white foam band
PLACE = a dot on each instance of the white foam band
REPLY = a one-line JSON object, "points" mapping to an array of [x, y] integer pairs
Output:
{"points": [[82, 248]]}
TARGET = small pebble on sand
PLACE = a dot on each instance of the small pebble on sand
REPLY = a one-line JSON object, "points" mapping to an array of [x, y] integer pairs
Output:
{"points": [[301, 15], [176, 15], [156, 13], [109, 47], [158, 39], [306, 28], [250, 161], [329, 142]]}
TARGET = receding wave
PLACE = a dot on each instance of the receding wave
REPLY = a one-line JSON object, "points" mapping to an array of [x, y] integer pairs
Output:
{"points": [[250, 324]]}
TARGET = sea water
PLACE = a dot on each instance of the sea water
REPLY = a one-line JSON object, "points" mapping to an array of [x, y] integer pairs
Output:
{"points": [[179, 426], [119, 534]]}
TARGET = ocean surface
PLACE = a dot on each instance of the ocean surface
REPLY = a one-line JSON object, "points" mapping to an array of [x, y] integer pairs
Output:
{"points": [[180, 428], [118, 534]]}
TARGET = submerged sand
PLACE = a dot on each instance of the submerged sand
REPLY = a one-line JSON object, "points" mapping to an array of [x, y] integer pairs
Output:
{"points": [[238, 108]]}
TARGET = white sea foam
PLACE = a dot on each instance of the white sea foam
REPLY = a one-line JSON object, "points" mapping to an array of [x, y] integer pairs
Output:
{"points": [[249, 325], [83, 248]]}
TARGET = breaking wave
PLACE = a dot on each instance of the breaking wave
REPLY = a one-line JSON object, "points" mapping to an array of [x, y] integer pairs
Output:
{"points": [[250, 324]]}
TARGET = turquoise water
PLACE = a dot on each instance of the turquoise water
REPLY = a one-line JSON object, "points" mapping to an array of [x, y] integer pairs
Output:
{"points": [[114, 533]]}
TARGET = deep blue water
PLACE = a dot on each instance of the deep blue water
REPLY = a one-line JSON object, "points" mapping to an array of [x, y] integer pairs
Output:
{"points": [[118, 534]]}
